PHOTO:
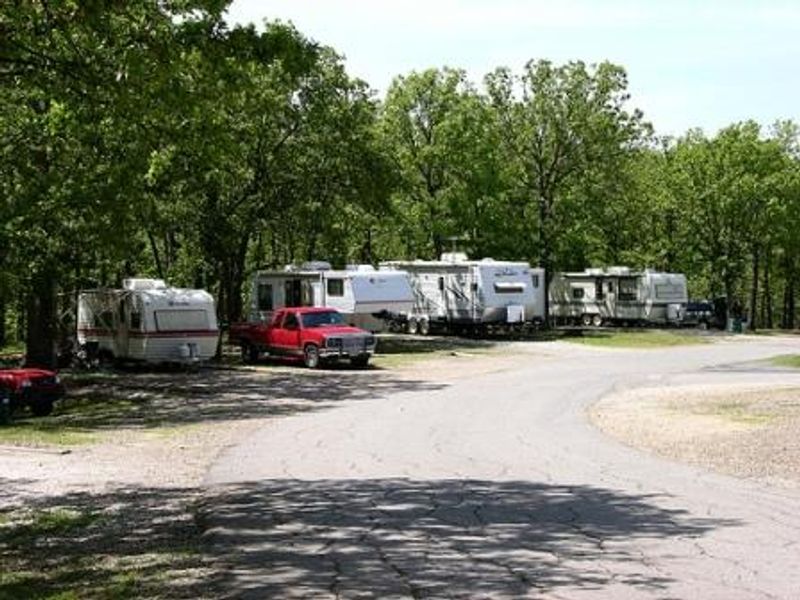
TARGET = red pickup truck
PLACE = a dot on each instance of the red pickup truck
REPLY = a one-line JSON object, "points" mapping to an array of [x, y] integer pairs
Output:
{"points": [[312, 334], [36, 388]]}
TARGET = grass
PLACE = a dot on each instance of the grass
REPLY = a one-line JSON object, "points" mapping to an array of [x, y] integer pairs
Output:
{"points": [[638, 339], [397, 350], [119, 546], [43, 432], [738, 412], [787, 360]]}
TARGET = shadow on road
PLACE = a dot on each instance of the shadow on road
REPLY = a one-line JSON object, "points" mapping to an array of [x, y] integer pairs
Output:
{"points": [[450, 538], [301, 539], [141, 400]]}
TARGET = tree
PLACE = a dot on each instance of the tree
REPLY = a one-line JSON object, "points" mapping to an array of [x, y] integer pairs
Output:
{"points": [[570, 121]]}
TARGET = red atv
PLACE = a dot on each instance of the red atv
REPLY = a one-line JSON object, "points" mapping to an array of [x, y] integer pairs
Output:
{"points": [[37, 388]]}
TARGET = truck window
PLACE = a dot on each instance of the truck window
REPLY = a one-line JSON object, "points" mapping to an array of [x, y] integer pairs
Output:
{"points": [[290, 321], [264, 296], [336, 287]]}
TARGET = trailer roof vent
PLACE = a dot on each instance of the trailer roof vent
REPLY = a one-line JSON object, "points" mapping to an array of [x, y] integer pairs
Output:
{"points": [[619, 270], [454, 257], [595, 271], [138, 284]]}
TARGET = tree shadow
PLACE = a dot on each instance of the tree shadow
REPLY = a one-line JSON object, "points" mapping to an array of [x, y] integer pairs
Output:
{"points": [[158, 399], [434, 539], [348, 538]]}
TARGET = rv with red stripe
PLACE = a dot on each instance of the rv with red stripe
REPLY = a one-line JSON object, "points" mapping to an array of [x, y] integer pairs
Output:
{"points": [[148, 321]]}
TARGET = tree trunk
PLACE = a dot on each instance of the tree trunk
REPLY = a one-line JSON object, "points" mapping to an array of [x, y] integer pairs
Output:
{"points": [[3, 333], [766, 302], [545, 252], [753, 316], [41, 333]]}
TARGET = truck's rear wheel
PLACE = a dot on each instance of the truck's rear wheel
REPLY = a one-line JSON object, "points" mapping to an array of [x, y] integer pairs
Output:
{"points": [[249, 353], [311, 356]]}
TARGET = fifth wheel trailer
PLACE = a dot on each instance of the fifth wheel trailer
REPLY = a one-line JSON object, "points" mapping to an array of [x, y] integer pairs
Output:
{"points": [[617, 295], [458, 294]]}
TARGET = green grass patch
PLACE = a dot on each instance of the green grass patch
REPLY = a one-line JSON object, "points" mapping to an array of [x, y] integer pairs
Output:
{"points": [[638, 339], [394, 351], [737, 412], [42, 432], [788, 360], [12, 350]]}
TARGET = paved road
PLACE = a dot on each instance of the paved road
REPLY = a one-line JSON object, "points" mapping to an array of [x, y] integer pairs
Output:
{"points": [[495, 486]]}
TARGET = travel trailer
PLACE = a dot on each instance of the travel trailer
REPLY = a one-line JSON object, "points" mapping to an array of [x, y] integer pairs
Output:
{"points": [[147, 321], [458, 294], [364, 295], [617, 295]]}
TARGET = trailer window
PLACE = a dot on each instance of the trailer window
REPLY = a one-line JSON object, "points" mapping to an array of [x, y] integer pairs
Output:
{"points": [[181, 320], [535, 280], [577, 293], [669, 291], [136, 320], [598, 290], [336, 287], [509, 287], [264, 296], [627, 289]]}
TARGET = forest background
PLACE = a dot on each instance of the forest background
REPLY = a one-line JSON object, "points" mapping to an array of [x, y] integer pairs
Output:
{"points": [[153, 139]]}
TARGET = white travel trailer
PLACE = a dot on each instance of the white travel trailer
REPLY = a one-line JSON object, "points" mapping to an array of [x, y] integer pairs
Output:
{"points": [[148, 321], [457, 294], [365, 296], [617, 295]]}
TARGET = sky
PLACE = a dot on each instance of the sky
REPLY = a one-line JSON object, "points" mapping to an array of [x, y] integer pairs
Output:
{"points": [[703, 63]]}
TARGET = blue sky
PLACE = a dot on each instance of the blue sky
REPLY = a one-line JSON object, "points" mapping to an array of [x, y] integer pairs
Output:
{"points": [[690, 64]]}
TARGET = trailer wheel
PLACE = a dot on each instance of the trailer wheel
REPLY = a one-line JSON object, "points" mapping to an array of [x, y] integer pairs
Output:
{"points": [[586, 320], [311, 356], [412, 326], [597, 320], [424, 327]]}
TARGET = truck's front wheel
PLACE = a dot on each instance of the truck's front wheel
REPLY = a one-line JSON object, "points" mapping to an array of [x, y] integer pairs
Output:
{"points": [[249, 353], [311, 356]]}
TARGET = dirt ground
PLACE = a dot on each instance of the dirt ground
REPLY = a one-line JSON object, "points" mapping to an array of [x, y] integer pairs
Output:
{"points": [[749, 431]]}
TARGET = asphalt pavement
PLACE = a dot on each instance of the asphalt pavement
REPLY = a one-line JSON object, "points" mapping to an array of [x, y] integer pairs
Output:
{"points": [[496, 486]]}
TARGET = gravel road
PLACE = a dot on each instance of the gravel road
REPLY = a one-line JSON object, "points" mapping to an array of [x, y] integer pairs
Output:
{"points": [[495, 485]]}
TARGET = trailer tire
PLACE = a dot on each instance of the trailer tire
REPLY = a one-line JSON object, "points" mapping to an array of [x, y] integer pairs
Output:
{"points": [[424, 326], [311, 356], [597, 320], [586, 320], [412, 327]]}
